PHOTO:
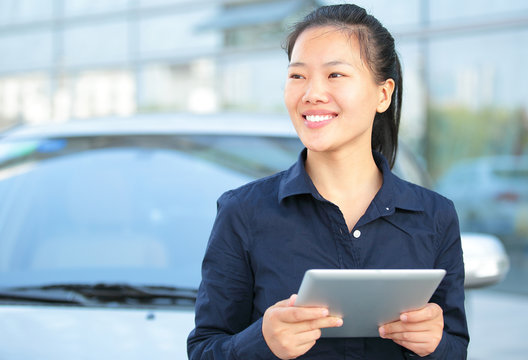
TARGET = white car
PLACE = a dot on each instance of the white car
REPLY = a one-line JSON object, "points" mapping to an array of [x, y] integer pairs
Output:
{"points": [[104, 223]]}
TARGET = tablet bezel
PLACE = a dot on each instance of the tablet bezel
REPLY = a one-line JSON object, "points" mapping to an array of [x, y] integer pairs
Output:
{"points": [[365, 298]]}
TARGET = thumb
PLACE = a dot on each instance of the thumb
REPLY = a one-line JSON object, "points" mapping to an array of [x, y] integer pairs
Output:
{"points": [[286, 302], [292, 299]]}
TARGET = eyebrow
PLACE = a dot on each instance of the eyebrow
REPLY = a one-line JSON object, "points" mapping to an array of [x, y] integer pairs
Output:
{"points": [[330, 63]]}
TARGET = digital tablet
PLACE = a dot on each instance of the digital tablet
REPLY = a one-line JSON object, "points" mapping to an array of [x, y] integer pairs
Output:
{"points": [[367, 299]]}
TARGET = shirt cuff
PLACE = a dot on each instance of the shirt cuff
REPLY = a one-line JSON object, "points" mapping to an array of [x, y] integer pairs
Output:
{"points": [[250, 344]]}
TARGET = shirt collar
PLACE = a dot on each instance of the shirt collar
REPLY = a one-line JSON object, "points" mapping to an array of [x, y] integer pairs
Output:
{"points": [[394, 193], [296, 180]]}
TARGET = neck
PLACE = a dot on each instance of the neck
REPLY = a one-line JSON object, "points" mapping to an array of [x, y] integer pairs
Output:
{"points": [[338, 175]]}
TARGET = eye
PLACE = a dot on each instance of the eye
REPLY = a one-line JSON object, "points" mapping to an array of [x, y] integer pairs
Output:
{"points": [[335, 75], [296, 76]]}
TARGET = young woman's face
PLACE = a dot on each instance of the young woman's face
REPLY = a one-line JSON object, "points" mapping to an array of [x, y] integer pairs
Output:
{"points": [[330, 93]]}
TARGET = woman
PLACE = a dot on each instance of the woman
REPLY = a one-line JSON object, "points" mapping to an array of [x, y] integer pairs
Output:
{"points": [[339, 206]]}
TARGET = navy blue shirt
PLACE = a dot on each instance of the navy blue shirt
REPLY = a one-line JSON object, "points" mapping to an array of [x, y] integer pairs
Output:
{"points": [[269, 232]]}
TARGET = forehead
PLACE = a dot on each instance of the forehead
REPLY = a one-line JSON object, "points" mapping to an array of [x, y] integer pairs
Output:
{"points": [[325, 42], [326, 38]]}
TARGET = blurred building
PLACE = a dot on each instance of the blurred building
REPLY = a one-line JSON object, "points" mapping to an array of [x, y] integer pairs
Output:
{"points": [[83, 58], [464, 63]]}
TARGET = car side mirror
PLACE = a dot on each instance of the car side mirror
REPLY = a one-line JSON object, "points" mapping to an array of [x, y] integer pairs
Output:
{"points": [[485, 260]]}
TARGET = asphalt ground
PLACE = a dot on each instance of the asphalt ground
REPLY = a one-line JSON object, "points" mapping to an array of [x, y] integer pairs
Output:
{"points": [[497, 325]]}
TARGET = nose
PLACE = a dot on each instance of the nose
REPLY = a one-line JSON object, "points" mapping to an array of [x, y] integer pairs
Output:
{"points": [[315, 92]]}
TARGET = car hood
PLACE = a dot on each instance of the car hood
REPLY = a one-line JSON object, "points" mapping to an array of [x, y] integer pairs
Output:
{"points": [[53, 332]]}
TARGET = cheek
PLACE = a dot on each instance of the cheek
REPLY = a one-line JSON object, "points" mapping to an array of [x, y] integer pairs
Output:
{"points": [[290, 96], [359, 100]]}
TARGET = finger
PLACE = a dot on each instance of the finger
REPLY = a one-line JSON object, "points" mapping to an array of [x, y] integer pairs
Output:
{"points": [[301, 314], [286, 302], [400, 327], [326, 322], [386, 329], [283, 303], [429, 312], [418, 348], [308, 337], [411, 337]]}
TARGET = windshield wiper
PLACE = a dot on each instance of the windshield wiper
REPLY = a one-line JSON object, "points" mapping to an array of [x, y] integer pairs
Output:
{"points": [[38, 295], [129, 291], [104, 293]]}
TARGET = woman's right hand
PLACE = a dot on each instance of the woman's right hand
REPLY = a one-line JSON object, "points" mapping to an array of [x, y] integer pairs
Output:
{"points": [[291, 331]]}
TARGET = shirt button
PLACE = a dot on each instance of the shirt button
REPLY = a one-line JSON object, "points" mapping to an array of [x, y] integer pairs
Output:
{"points": [[356, 233], [387, 209]]}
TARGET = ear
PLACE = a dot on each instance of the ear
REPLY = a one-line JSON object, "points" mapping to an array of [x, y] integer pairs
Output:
{"points": [[385, 94]]}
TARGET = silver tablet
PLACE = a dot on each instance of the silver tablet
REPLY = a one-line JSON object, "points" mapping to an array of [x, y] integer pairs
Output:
{"points": [[366, 299]]}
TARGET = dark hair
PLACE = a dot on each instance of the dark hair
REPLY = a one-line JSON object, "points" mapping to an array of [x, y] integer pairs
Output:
{"points": [[377, 50]]}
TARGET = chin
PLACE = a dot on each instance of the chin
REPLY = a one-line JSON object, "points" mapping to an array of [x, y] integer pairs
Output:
{"points": [[314, 147]]}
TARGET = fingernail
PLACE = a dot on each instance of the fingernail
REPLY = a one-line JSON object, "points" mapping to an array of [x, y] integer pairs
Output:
{"points": [[325, 312], [403, 317], [339, 322], [382, 332]]}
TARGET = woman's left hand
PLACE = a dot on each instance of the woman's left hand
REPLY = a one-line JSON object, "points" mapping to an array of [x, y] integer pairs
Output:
{"points": [[419, 331]]}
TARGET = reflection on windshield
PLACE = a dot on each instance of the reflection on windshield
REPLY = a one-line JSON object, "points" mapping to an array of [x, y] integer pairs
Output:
{"points": [[122, 205]]}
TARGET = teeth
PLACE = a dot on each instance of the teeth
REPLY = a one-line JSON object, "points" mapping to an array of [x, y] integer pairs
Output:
{"points": [[318, 118]]}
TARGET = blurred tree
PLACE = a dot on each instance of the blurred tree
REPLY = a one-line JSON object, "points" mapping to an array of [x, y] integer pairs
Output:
{"points": [[458, 132]]}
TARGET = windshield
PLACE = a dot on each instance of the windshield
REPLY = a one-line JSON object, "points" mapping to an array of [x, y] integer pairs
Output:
{"points": [[120, 209]]}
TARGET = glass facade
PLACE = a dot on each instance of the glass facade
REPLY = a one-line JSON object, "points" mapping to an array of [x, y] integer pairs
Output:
{"points": [[96, 58]]}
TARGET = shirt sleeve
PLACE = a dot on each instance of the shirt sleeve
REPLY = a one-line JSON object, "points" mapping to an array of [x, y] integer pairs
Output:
{"points": [[450, 293], [225, 328]]}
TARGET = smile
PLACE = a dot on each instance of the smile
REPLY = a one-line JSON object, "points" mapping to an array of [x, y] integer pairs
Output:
{"points": [[319, 118]]}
